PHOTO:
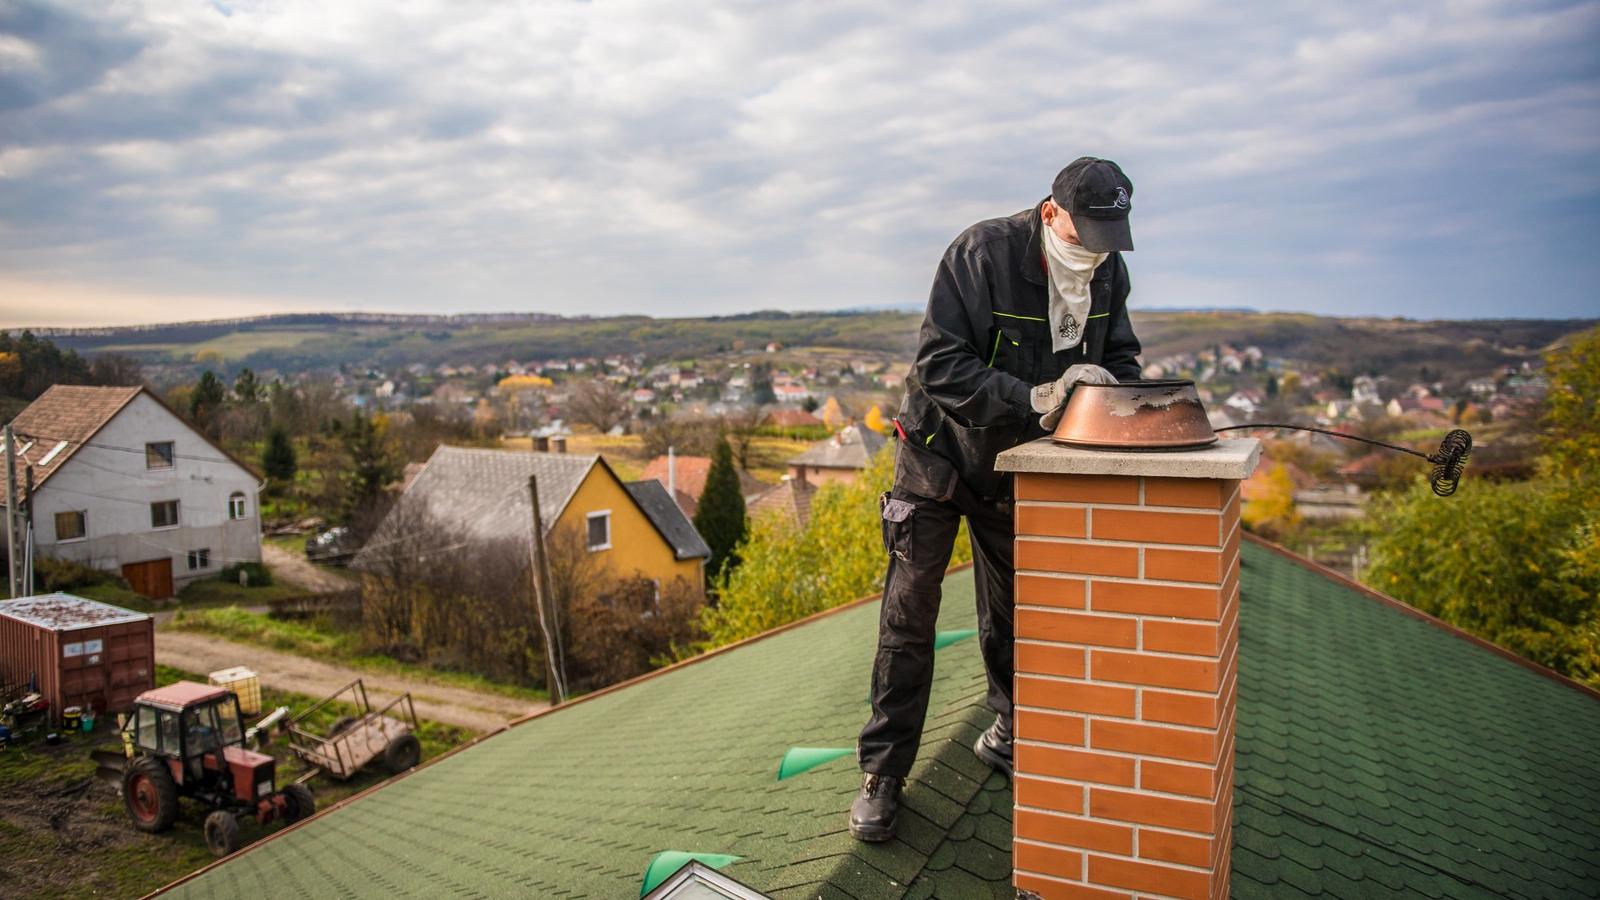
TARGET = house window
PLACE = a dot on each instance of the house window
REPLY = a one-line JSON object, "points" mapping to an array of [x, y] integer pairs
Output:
{"points": [[71, 526], [158, 455], [164, 514], [200, 559], [600, 530], [236, 505]]}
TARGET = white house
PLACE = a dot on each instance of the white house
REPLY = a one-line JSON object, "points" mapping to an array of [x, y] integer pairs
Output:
{"points": [[120, 482]]}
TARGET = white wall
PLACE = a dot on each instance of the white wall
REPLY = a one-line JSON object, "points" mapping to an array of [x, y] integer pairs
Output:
{"points": [[115, 489]]}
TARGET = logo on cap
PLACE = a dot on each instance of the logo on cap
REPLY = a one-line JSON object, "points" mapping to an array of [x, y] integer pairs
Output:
{"points": [[1121, 202]]}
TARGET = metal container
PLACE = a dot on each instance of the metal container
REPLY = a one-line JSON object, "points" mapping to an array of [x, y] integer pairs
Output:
{"points": [[81, 652], [1135, 415]]}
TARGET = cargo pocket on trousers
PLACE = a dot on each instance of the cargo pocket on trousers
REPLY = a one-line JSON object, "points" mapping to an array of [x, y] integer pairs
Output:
{"points": [[897, 518]]}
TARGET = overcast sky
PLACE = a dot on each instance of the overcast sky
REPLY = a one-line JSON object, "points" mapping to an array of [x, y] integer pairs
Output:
{"points": [[174, 159]]}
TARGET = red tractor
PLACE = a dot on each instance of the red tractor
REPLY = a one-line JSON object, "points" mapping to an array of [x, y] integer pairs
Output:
{"points": [[187, 740]]}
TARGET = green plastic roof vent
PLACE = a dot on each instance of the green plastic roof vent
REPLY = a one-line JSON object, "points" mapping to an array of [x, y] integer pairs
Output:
{"points": [[945, 638], [665, 863], [801, 759]]}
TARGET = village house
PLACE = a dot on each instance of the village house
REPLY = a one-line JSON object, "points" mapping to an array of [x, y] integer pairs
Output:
{"points": [[633, 527], [839, 458], [121, 483]]}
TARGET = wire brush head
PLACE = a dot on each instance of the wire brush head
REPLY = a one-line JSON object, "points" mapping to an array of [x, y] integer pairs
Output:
{"points": [[1450, 462]]}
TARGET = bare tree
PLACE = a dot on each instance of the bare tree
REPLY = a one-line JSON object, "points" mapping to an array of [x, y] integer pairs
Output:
{"points": [[739, 427], [598, 402]]}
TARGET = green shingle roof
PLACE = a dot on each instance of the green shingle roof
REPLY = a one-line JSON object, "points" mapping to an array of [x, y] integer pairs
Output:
{"points": [[1379, 755]]}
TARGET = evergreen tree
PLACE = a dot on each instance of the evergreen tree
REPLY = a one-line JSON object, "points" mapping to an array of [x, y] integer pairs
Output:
{"points": [[372, 466], [278, 459], [207, 397], [246, 387], [720, 518]]}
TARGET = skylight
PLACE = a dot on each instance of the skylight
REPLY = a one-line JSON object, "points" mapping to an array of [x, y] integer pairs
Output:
{"points": [[54, 452]]}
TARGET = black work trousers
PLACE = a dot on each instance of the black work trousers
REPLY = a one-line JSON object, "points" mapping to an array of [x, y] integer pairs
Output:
{"points": [[920, 518]]}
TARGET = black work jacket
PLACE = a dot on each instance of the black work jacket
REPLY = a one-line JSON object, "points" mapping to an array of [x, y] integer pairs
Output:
{"points": [[985, 342]]}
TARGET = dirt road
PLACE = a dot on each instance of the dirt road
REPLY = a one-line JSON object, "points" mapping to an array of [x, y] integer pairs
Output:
{"points": [[467, 708], [295, 569]]}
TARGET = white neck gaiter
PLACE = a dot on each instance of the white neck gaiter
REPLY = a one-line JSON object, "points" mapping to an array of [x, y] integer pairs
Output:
{"points": [[1070, 268]]}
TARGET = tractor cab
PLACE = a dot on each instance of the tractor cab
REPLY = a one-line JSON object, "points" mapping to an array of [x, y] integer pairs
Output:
{"points": [[187, 739]]}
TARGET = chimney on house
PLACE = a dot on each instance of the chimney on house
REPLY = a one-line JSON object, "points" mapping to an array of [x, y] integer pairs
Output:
{"points": [[672, 473], [1127, 634]]}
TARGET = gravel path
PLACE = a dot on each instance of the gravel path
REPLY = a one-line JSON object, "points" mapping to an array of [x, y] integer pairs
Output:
{"points": [[295, 569], [202, 653]]}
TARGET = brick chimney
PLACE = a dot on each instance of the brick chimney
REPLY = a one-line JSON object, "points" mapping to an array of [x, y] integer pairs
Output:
{"points": [[1126, 668]]}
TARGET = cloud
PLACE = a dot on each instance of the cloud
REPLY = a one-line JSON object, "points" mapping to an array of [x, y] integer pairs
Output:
{"points": [[713, 157]]}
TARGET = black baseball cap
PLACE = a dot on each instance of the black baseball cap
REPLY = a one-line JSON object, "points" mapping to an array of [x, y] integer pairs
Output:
{"points": [[1098, 197]]}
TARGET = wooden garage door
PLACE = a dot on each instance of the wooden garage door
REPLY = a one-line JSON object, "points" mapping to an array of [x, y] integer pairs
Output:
{"points": [[152, 578]]}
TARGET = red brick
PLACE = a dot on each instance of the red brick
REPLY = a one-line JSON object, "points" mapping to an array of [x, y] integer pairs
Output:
{"points": [[1201, 566], [1048, 860], [1179, 848], [1075, 696], [1147, 809], [1153, 740], [1051, 728], [1200, 493], [1152, 877], [1043, 590], [1078, 488], [1156, 599], [1199, 710], [1077, 628], [1073, 831], [1055, 521], [1077, 559], [1060, 890], [1199, 638], [1156, 671], [1049, 659], [1051, 795], [1078, 765], [1172, 778], [1200, 529]]}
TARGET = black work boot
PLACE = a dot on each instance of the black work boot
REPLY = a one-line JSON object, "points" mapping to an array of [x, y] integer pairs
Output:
{"points": [[994, 746], [876, 809]]}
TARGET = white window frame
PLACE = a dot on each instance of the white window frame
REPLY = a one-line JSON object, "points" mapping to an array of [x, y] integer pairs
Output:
{"points": [[83, 515], [199, 558], [172, 453], [597, 514], [177, 515], [241, 510]]}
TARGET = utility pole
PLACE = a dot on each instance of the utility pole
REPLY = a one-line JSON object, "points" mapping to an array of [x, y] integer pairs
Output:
{"points": [[13, 571], [27, 532], [542, 596]]}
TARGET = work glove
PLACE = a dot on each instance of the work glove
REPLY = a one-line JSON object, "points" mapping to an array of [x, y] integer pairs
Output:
{"points": [[1050, 399]]}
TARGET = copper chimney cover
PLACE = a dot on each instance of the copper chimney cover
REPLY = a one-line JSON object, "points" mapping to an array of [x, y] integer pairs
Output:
{"points": [[1135, 415]]}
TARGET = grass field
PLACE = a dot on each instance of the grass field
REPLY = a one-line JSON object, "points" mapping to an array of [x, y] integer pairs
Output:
{"points": [[65, 833], [320, 639]]}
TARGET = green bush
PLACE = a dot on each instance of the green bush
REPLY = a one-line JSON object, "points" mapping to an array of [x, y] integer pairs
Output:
{"points": [[53, 574], [1514, 563], [785, 574], [257, 574]]}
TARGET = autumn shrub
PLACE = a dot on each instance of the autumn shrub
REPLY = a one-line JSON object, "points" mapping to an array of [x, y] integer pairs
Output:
{"points": [[787, 573]]}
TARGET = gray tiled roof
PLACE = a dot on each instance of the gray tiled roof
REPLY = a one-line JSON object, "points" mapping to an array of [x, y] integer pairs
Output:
{"points": [[658, 505], [852, 448], [484, 493]]}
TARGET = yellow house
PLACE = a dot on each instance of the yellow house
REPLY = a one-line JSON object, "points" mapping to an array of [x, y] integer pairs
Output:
{"points": [[633, 528]]}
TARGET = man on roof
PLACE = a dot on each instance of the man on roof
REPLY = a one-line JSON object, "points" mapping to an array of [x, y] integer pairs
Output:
{"points": [[1022, 309]]}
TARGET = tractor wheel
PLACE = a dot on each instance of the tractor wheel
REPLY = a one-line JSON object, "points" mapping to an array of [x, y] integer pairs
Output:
{"points": [[150, 794], [222, 833], [301, 803], [403, 753]]}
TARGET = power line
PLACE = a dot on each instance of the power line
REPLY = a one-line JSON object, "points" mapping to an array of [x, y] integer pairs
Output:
{"points": [[141, 451]]}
